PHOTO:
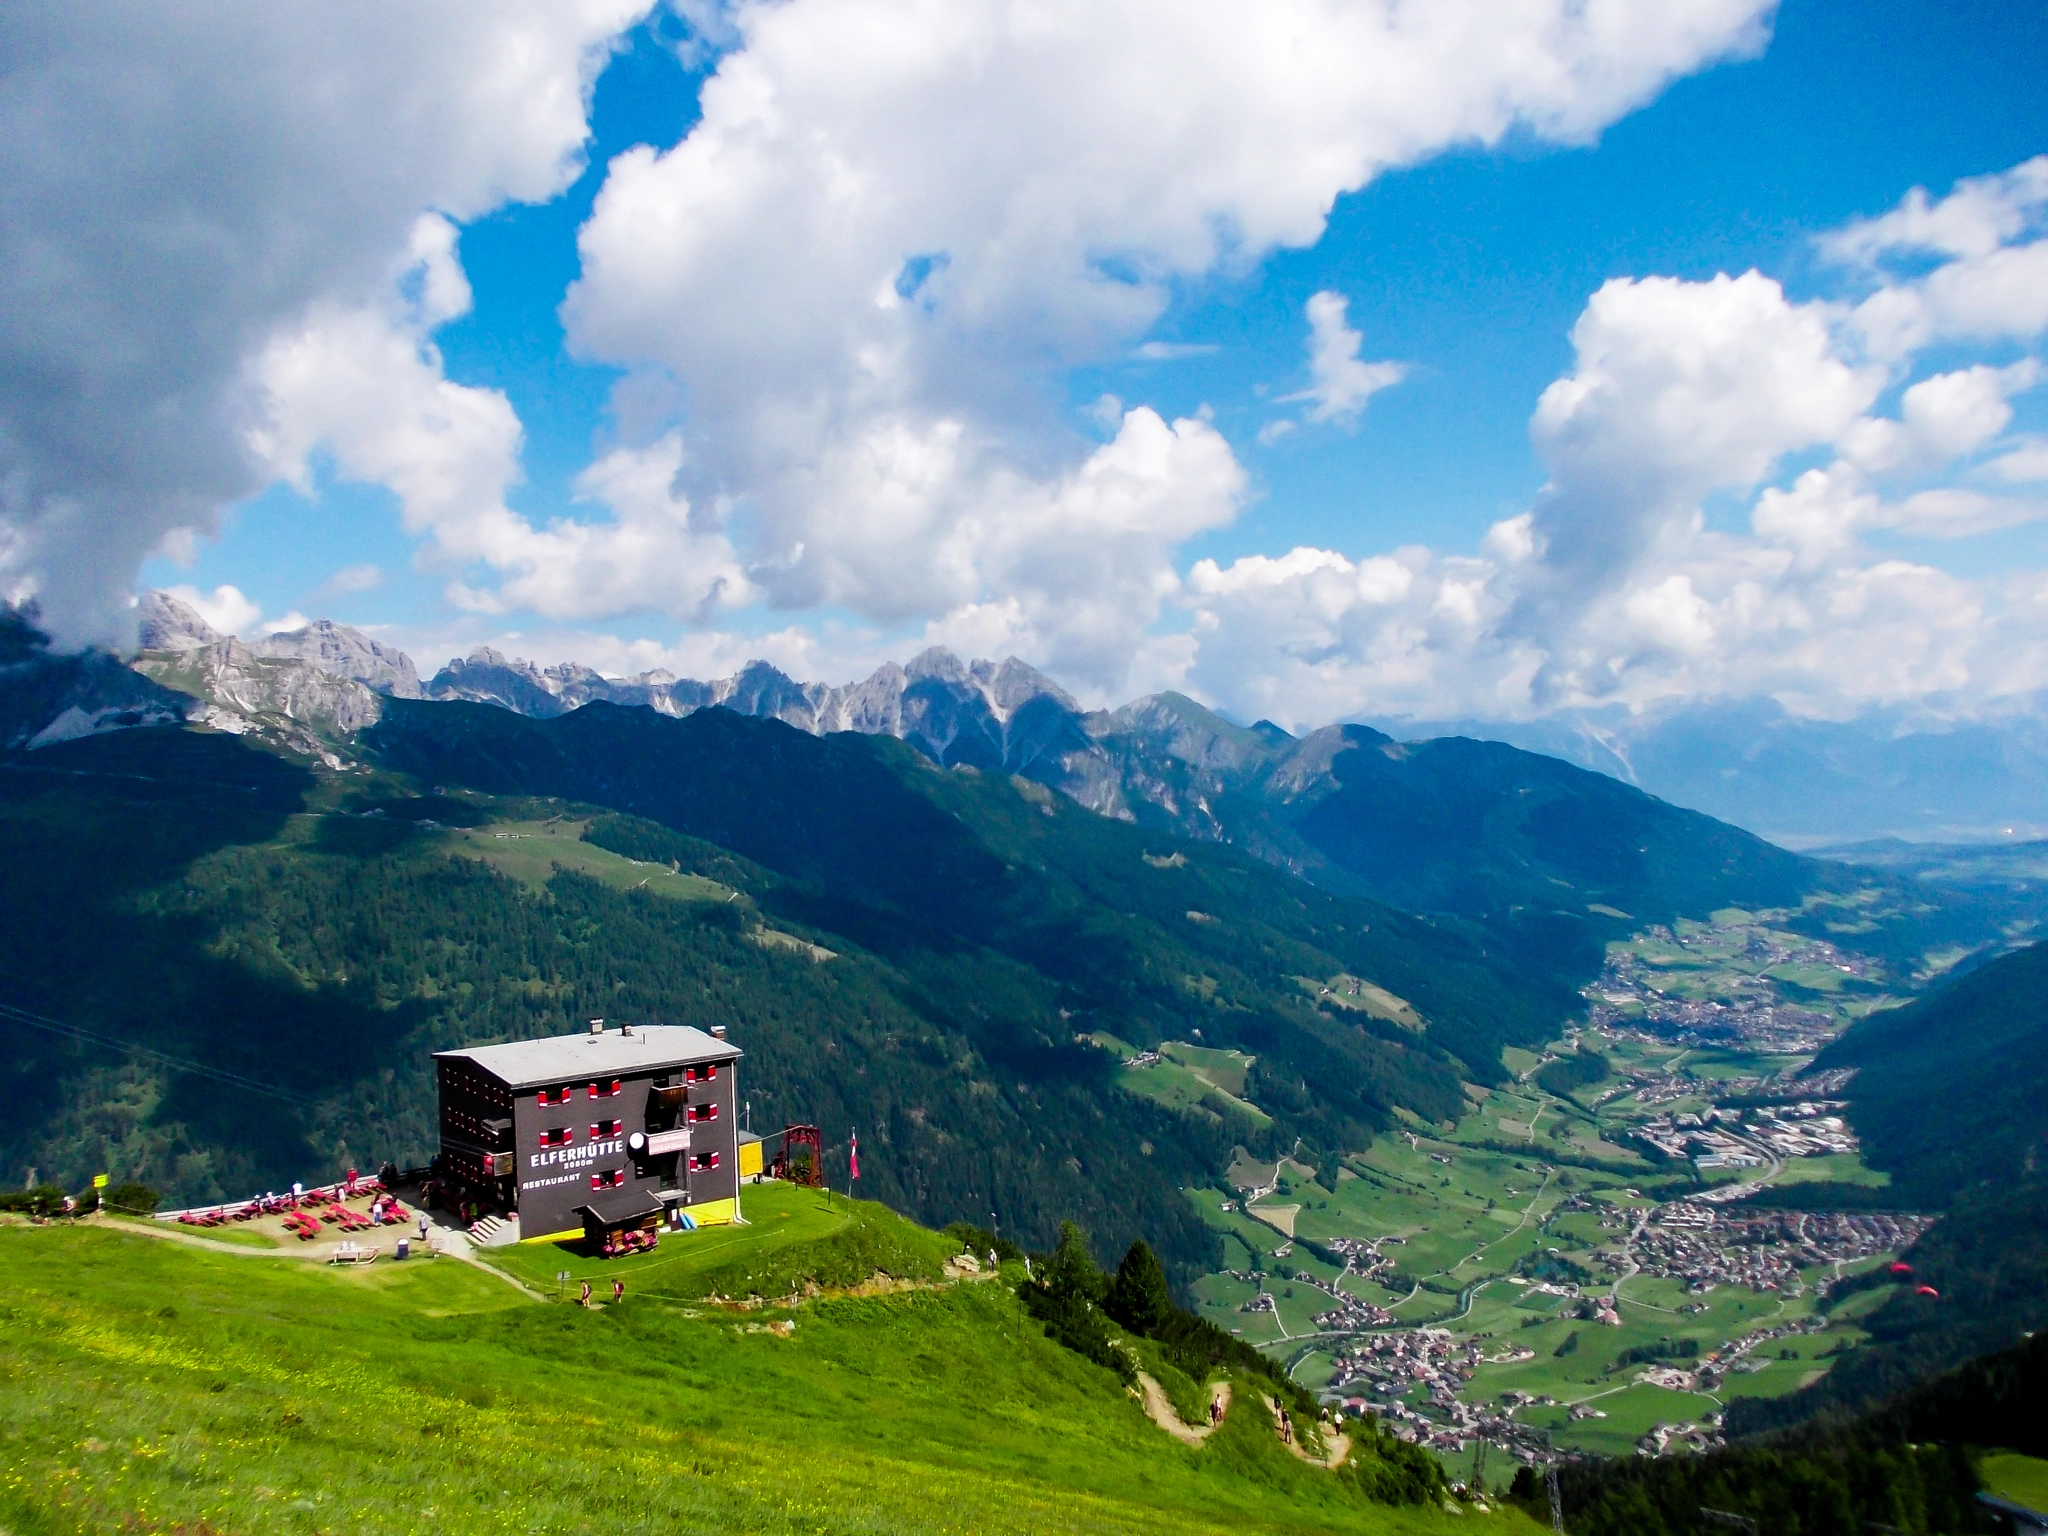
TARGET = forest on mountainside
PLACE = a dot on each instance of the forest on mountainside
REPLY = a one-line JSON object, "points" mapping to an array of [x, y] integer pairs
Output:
{"points": [[1976, 1051], [310, 931], [1904, 1465]]}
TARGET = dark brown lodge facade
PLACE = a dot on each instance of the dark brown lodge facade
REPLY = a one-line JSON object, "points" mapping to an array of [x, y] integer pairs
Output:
{"points": [[594, 1132]]}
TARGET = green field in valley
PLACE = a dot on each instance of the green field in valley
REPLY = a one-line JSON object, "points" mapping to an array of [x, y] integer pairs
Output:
{"points": [[2021, 1479], [149, 1384], [1534, 1188]]}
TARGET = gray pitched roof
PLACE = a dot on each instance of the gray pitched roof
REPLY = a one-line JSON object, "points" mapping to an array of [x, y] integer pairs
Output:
{"points": [[570, 1058]]}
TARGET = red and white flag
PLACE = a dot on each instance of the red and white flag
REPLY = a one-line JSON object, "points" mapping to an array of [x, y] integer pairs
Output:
{"points": [[853, 1158]]}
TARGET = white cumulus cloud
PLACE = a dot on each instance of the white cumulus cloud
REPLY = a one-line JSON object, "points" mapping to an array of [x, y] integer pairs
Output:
{"points": [[179, 185], [897, 221], [1615, 587], [1342, 381], [1992, 278]]}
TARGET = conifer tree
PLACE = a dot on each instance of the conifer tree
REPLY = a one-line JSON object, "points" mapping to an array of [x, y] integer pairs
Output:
{"points": [[1138, 1297]]}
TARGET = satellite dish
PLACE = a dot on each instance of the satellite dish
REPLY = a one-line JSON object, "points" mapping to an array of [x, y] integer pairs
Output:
{"points": [[636, 1141]]}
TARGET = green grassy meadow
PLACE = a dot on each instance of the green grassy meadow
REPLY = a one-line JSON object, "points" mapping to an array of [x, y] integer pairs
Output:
{"points": [[2022, 1479], [1195, 1077], [792, 1235], [149, 1385], [531, 851]]}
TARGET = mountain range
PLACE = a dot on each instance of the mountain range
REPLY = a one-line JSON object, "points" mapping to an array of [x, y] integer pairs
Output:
{"points": [[1801, 782], [1554, 858], [1805, 782]]}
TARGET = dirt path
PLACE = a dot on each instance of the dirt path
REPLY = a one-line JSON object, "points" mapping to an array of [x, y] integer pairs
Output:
{"points": [[1336, 1446], [1161, 1411]]}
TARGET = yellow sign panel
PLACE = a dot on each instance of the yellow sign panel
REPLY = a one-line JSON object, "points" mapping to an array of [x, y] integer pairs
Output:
{"points": [[99, 1181]]}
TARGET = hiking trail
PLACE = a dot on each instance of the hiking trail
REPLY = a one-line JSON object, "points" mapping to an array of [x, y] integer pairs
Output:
{"points": [[1161, 1411], [1338, 1446]]}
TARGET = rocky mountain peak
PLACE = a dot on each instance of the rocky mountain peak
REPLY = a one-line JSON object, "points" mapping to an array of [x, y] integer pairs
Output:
{"points": [[169, 625], [343, 652], [936, 662]]}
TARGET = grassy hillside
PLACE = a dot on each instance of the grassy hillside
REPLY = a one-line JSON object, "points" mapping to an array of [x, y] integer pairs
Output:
{"points": [[148, 1385]]}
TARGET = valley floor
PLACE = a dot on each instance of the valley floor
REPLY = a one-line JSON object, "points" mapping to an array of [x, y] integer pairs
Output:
{"points": [[1455, 1277]]}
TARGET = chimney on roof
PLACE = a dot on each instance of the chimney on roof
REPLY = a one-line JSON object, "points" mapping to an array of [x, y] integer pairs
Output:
{"points": [[718, 1031], [625, 1029], [597, 1026]]}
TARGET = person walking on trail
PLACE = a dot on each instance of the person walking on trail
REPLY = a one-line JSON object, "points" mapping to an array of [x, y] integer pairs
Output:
{"points": [[423, 1226], [586, 1293], [618, 1291]]}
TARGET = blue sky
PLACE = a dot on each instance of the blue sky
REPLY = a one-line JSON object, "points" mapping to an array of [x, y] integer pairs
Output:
{"points": [[1467, 263]]}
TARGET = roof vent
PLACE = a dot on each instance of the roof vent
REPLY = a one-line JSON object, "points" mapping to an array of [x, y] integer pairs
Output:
{"points": [[625, 1029], [718, 1031], [597, 1026]]}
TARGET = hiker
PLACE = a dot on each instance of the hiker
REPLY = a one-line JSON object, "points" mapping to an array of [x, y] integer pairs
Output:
{"points": [[1215, 1411], [423, 1226], [586, 1293], [618, 1291]]}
